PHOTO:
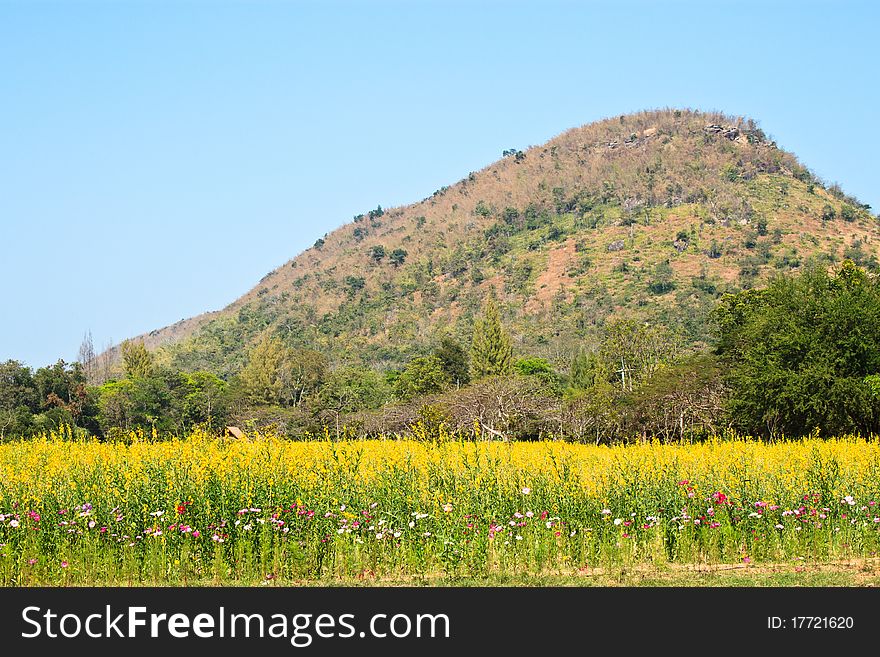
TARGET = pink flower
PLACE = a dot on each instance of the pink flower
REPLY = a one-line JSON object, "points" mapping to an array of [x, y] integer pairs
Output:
{"points": [[31, 562], [64, 564], [747, 560], [196, 533]]}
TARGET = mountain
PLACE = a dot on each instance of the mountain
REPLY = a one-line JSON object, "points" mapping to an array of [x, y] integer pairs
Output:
{"points": [[650, 216]]}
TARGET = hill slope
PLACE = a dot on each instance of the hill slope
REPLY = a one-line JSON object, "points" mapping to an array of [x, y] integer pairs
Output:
{"points": [[651, 215]]}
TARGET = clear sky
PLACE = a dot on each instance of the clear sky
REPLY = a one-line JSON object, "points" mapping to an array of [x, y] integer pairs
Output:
{"points": [[158, 158]]}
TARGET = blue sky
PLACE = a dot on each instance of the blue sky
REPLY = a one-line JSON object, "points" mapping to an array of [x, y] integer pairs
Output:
{"points": [[157, 159]]}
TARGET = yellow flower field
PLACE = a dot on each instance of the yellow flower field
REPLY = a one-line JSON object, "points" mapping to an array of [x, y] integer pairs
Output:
{"points": [[208, 509]]}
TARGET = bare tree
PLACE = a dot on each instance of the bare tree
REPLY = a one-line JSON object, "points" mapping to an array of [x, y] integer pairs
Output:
{"points": [[87, 358]]}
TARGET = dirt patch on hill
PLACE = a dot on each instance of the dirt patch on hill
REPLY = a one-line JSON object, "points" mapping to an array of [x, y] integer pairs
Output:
{"points": [[553, 277]]}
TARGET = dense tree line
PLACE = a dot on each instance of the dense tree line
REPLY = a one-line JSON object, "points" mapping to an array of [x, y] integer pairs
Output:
{"points": [[801, 355]]}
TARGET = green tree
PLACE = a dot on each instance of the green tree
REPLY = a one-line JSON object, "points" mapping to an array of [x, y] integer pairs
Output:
{"points": [[398, 256], [116, 406], [303, 373], [377, 253], [539, 368], [454, 361], [799, 354], [420, 377], [263, 375], [491, 350], [202, 400], [586, 370], [19, 399], [137, 360], [64, 397]]}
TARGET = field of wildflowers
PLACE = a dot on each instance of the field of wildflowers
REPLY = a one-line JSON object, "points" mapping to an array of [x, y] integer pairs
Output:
{"points": [[202, 510]]}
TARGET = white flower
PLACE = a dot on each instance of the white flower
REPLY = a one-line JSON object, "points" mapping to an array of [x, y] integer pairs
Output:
{"points": [[526, 490], [606, 512], [426, 534], [518, 537], [379, 536], [412, 523], [849, 500], [13, 523], [91, 524], [374, 505], [396, 534], [549, 525], [157, 513], [778, 526], [529, 514], [617, 521], [447, 507]]}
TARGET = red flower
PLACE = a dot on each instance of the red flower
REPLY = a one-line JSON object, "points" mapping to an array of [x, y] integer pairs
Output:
{"points": [[181, 509]]}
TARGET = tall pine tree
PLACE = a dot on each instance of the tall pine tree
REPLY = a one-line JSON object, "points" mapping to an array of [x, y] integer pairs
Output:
{"points": [[491, 352]]}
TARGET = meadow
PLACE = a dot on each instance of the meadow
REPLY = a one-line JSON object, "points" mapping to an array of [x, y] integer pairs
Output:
{"points": [[205, 510]]}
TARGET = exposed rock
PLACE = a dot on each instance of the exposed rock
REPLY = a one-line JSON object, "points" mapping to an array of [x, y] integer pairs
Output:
{"points": [[617, 245], [729, 131], [680, 245]]}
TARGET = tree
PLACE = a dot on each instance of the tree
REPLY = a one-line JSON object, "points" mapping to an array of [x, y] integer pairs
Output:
{"points": [[420, 377], [202, 400], [263, 375], [138, 362], [351, 389], [454, 361], [88, 359], [491, 350], [63, 386], [377, 253], [19, 399], [116, 406], [398, 256], [799, 354], [685, 399], [635, 350], [663, 280], [303, 373], [538, 367], [586, 370]]}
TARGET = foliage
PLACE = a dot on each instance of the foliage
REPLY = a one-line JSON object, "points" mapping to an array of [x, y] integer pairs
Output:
{"points": [[454, 361], [491, 351], [421, 376], [798, 353], [138, 362]]}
